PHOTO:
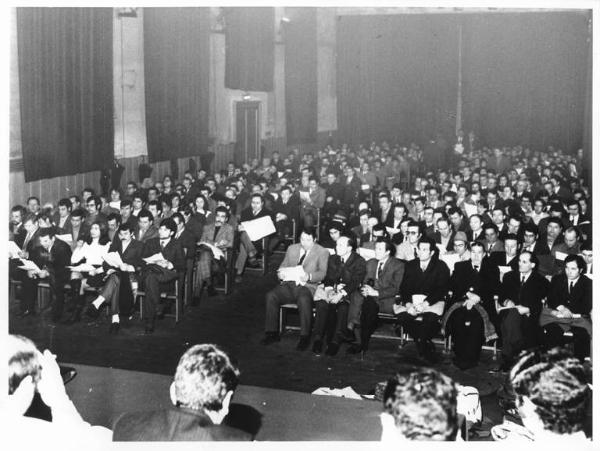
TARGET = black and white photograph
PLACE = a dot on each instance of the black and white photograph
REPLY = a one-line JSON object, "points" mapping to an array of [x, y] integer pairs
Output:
{"points": [[340, 223]]}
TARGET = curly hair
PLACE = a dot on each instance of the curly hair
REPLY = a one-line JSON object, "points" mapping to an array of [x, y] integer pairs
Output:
{"points": [[556, 384], [203, 377], [423, 404]]}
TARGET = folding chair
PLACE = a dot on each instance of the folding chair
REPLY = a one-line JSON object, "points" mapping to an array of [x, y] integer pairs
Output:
{"points": [[167, 295]]}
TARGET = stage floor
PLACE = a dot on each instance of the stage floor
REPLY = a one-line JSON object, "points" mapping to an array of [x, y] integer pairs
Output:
{"points": [[236, 323]]}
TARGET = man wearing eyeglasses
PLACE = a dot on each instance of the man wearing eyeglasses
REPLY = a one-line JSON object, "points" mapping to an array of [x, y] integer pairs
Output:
{"points": [[407, 250]]}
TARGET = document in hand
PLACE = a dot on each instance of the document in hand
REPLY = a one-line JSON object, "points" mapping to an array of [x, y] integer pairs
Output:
{"points": [[259, 228], [67, 238], [292, 274], [305, 196], [503, 270], [13, 250], [154, 258], [217, 253], [560, 255], [84, 267], [365, 253], [113, 259], [28, 265]]}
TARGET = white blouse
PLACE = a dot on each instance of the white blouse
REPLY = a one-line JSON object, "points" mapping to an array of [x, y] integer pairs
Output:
{"points": [[93, 253]]}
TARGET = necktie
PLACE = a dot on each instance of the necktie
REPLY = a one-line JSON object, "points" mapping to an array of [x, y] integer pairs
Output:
{"points": [[570, 287], [379, 268], [476, 267], [216, 232], [415, 250], [162, 244], [301, 259], [522, 280]]}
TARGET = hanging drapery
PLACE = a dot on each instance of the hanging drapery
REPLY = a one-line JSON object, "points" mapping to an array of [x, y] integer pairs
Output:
{"points": [[176, 70], [300, 39], [249, 48], [66, 90]]}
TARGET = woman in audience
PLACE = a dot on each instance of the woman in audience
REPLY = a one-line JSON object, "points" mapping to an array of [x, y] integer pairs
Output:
{"points": [[87, 259]]}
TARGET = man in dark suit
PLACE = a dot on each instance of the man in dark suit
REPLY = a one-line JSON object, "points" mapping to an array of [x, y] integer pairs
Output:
{"points": [[219, 234], [313, 258], [201, 392], [492, 243], [507, 257], [383, 277], [52, 257], [62, 218], [286, 211], [351, 185], [570, 298], [345, 272], [425, 277], [146, 229], [16, 229], [521, 295], [473, 282], [120, 281], [79, 229], [385, 213], [248, 249], [444, 234], [165, 270]]}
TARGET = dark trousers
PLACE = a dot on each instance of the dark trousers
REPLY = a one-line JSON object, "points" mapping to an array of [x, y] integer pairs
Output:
{"points": [[110, 291], [422, 327], [466, 328], [518, 333], [57, 283], [369, 320], [554, 336], [287, 293], [153, 276], [330, 320]]}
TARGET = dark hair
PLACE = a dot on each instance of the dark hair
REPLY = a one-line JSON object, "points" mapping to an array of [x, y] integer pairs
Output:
{"points": [[33, 198], [578, 259], [222, 210], [126, 226], [312, 231], [555, 382], [115, 216], [530, 227], [96, 200], [125, 203], [490, 225], [145, 214], [169, 224], [78, 213], [46, 231], [432, 247], [389, 246], [155, 203], [65, 202]]}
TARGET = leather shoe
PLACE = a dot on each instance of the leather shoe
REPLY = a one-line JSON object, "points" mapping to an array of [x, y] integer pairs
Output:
{"points": [[332, 349], [92, 311], [347, 336], [317, 347], [303, 343], [114, 328], [270, 337], [354, 349]]}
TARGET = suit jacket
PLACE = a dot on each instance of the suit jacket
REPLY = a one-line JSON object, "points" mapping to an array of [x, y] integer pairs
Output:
{"points": [[66, 228], [578, 301], [351, 273], [485, 282], [290, 209], [529, 295], [226, 233], [314, 264], [188, 243], [498, 246], [471, 237], [150, 234], [437, 236], [55, 261], [351, 191], [173, 424], [131, 256], [389, 280], [388, 221], [317, 198], [433, 282], [172, 252], [195, 225], [499, 259]]}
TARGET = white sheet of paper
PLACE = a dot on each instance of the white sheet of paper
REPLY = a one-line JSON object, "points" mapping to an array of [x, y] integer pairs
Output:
{"points": [[441, 248], [305, 196], [392, 231], [470, 209], [331, 251], [365, 253], [560, 255], [292, 274], [503, 270], [113, 259], [217, 253], [364, 186], [28, 265], [259, 228], [154, 258], [67, 238], [84, 267], [450, 260], [13, 250]]}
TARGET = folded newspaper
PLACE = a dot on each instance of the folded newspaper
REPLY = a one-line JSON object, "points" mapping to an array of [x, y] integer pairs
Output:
{"points": [[113, 259], [154, 258], [292, 274], [259, 228], [217, 253], [28, 265], [84, 267], [67, 238]]}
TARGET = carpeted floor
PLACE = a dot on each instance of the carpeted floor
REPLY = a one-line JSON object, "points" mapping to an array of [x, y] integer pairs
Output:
{"points": [[236, 323]]}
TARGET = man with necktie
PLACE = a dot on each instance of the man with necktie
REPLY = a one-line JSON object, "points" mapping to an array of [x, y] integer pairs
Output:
{"points": [[381, 284], [313, 259]]}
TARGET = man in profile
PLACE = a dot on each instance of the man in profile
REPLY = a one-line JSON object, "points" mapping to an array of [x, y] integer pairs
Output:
{"points": [[201, 391], [419, 404]]}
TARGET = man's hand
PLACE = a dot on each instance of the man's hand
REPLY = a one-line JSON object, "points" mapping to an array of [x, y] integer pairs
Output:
{"points": [[523, 310], [22, 254], [31, 274], [336, 298], [92, 272], [50, 386], [368, 290], [473, 298], [42, 273], [304, 278], [509, 303], [124, 267]]}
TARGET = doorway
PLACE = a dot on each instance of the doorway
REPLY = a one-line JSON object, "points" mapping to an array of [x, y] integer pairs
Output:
{"points": [[247, 127]]}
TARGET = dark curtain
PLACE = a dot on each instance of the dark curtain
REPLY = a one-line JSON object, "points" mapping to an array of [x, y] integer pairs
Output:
{"points": [[524, 78], [300, 37], [66, 89], [176, 68], [249, 48], [396, 77]]}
